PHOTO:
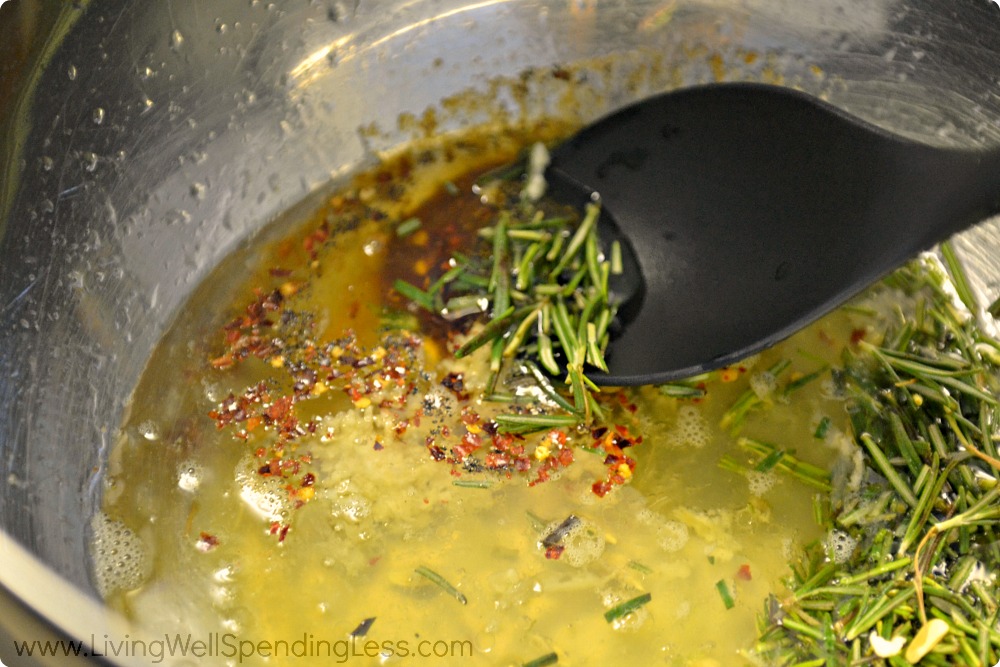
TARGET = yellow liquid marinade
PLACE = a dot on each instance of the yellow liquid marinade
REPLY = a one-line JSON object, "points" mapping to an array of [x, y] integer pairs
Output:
{"points": [[235, 563]]}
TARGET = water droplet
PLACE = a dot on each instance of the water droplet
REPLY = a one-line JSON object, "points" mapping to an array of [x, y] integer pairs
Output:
{"points": [[147, 73], [71, 72], [198, 190], [47, 163], [91, 161], [98, 116], [220, 27], [176, 39], [147, 104]]}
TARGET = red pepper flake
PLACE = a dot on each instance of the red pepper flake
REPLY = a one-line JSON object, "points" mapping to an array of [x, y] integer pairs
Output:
{"points": [[502, 441], [744, 572], [496, 461], [278, 410], [554, 552], [311, 242], [857, 336], [601, 489], [470, 443], [225, 361], [283, 533], [308, 479], [378, 446], [565, 456]]}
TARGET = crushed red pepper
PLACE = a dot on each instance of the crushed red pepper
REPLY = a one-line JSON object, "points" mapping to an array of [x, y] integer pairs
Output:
{"points": [[384, 377]]}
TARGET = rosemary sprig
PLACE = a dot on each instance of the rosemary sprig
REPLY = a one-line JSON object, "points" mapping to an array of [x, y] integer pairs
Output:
{"points": [[543, 280], [923, 409], [517, 423]]}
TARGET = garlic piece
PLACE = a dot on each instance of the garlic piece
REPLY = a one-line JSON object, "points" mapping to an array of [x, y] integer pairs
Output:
{"points": [[926, 639], [886, 648]]}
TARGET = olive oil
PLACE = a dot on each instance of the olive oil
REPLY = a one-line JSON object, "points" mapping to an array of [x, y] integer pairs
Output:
{"points": [[280, 508]]}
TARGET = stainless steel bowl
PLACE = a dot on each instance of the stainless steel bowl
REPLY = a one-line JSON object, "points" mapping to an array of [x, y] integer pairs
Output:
{"points": [[143, 142]]}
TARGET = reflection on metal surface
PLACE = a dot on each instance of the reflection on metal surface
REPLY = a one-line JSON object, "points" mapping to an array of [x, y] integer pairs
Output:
{"points": [[313, 65]]}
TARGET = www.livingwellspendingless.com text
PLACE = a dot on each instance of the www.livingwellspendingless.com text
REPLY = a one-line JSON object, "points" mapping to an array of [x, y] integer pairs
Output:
{"points": [[232, 646]]}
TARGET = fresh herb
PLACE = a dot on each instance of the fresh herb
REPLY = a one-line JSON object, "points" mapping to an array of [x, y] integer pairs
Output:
{"points": [[770, 461], [418, 296], [628, 607], [407, 227], [926, 518], [473, 483], [542, 661], [639, 567], [442, 583], [363, 627], [542, 279], [515, 423], [748, 402], [684, 389], [822, 428], [727, 597], [771, 457]]}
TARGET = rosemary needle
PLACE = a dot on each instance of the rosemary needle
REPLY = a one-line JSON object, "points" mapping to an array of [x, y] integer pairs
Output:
{"points": [[543, 661], [442, 583], [627, 607]]}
